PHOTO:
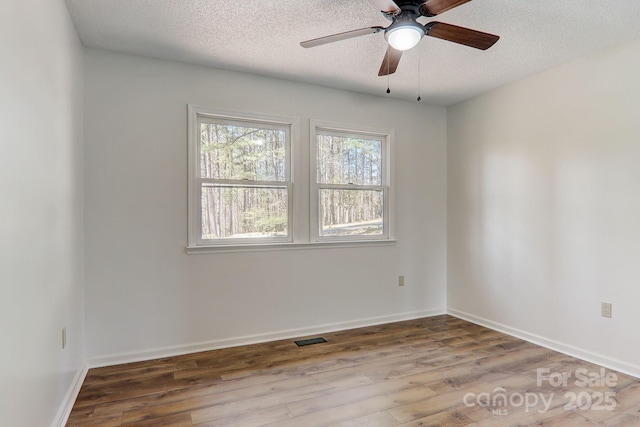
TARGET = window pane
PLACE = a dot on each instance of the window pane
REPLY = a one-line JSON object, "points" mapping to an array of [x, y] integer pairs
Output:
{"points": [[350, 212], [229, 151], [243, 212], [342, 160]]}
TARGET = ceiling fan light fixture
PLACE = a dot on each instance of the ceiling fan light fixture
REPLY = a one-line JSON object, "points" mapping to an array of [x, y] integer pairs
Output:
{"points": [[404, 36]]}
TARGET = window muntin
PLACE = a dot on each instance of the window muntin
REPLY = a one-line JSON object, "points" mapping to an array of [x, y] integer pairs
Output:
{"points": [[350, 188], [241, 179]]}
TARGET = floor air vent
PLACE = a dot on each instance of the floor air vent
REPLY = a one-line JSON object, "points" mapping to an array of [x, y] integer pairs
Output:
{"points": [[310, 341]]}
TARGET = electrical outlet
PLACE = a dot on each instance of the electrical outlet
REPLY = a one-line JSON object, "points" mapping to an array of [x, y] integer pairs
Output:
{"points": [[606, 309], [64, 337], [400, 280]]}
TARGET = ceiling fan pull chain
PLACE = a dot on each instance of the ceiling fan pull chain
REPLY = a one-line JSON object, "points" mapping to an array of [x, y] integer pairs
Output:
{"points": [[419, 88], [388, 66]]}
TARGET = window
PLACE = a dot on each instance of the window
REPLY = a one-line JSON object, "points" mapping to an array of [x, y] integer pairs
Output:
{"points": [[349, 184], [241, 193], [240, 179]]}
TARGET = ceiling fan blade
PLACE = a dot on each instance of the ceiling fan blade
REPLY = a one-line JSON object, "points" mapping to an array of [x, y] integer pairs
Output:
{"points": [[385, 5], [461, 35], [390, 61], [436, 7], [341, 36]]}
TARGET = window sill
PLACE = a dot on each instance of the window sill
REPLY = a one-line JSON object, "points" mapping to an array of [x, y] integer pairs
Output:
{"points": [[192, 250]]}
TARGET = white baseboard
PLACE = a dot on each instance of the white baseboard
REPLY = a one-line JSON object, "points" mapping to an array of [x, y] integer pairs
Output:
{"points": [[598, 359], [137, 356], [69, 399]]}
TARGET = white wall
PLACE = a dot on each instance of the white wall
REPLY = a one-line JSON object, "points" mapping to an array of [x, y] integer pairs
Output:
{"points": [[41, 264], [544, 207], [145, 296]]}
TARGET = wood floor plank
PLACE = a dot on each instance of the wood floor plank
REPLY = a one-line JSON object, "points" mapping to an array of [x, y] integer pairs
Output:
{"points": [[101, 376], [377, 419], [216, 399], [455, 400], [384, 363], [82, 419], [191, 394], [261, 417], [352, 395], [440, 419], [174, 420], [277, 398], [357, 409], [415, 373]]}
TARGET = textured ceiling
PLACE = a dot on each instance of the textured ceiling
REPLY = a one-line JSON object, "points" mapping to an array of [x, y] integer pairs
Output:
{"points": [[262, 37]]}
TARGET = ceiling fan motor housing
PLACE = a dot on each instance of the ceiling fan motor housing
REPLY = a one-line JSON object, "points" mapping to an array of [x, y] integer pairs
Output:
{"points": [[418, 7], [404, 32]]}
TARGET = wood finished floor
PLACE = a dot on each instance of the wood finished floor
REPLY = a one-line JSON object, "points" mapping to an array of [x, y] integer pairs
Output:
{"points": [[415, 373]]}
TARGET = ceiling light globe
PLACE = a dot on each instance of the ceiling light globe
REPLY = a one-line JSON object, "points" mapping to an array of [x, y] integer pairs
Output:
{"points": [[404, 37]]}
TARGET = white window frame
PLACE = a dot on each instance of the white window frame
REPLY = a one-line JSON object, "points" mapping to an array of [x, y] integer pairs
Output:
{"points": [[386, 138], [196, 116]]}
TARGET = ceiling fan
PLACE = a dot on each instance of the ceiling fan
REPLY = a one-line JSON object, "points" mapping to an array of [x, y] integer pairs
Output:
{"points": [[405, 32]]}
